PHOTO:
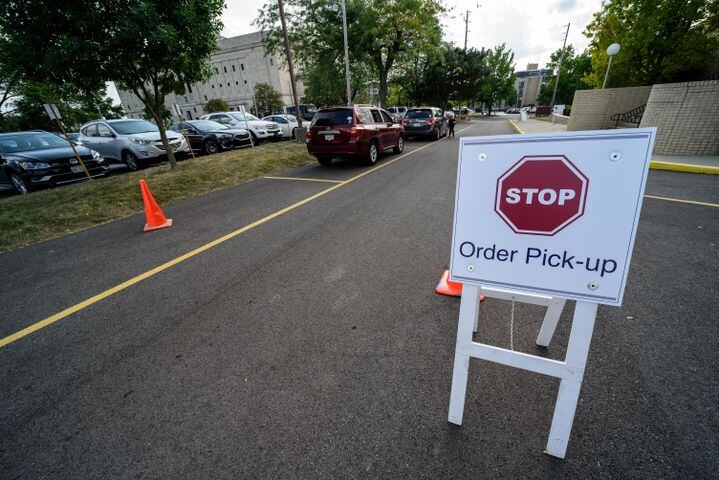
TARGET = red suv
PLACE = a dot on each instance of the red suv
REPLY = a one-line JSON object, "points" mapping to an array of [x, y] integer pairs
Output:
{"points": [[353, 131]]}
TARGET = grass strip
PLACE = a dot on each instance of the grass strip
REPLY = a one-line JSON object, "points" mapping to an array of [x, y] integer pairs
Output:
{"points": [[54, 212]]}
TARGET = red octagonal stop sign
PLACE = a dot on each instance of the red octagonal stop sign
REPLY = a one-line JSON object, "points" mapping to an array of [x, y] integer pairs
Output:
{"points": [[541, 194]]}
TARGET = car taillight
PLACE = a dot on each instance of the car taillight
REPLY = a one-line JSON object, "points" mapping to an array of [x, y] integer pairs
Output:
{"points": [[355, 132], [309, 134], [405, 122], [429, 122]]}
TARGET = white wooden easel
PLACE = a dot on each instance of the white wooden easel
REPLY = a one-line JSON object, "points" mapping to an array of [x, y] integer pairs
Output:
{"points": [[570, 371]]}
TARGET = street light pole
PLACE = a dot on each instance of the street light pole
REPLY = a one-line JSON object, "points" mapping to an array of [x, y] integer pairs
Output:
{"points": [[559, 68], [612, 50], [288, 54], [347, 54]]}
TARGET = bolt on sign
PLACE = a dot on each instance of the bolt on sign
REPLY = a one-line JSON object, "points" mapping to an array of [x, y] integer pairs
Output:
{"points": [[542, 219]]}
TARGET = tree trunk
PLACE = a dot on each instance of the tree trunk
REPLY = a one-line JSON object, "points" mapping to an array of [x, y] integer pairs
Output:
{"points": [[383, 88], [163, 137]]}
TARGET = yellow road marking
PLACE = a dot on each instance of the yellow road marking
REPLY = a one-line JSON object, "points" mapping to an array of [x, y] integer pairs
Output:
{"points": [[128, 283], [514, 126], [305, 179], [681, 200]]}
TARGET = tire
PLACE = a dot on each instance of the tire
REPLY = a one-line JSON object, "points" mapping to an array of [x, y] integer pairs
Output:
{"points": [[294, 134], [130, 161], [437, 135], [372, 153], [19, 184], [399, 148], [254, 138], [210, 147], [324, 161]]}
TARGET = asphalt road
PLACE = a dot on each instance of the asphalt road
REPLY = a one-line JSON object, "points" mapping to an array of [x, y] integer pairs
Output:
{"points": [[313, 346]]}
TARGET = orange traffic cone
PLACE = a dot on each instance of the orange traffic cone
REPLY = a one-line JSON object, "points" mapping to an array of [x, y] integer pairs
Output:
{"points": [[155, 218], [445, 286]]}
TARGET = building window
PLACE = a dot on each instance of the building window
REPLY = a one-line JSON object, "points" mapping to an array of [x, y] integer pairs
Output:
{"points": [[228, 84], [194, 109], [212, 86], [205, 97], [217, 71], [189, 88], [242, 67], [236, 82], [245, 82], [233, 68], [272, 62], [189, 115]]}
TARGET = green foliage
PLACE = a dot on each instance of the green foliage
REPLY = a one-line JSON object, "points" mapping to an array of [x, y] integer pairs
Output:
{"points": [[499, 86], [574, 69], [267, 99], [75, 106], [381, 34], [661, 41], [325, 82], [447, 73], [165, 114], [216, 105], [149, 47]]}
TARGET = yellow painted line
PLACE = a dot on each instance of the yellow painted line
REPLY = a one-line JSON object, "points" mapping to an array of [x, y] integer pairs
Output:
{"points": [[681, 200], [683, 167], [305, 179], [128, 283], [514, 126]]}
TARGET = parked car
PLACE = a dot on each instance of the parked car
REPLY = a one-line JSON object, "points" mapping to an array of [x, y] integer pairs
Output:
{"points": [[307, 111], [353, 132], [425, 122], [287, 123], [512, 110], [211, 137], [259, 129], [38, 158], [399, 112], [130, 141]]}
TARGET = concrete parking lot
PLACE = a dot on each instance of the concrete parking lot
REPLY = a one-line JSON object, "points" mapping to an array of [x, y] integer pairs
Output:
{"points": [[288, 328]]}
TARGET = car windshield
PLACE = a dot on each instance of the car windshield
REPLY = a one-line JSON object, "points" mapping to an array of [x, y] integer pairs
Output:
{"points": [[291, 118], [239, 116], [325, 118], [25, 142], [134, 126], [207, 125], [423, 113]]}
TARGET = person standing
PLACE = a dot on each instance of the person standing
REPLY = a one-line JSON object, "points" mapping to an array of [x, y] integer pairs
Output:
{"points": [[449, 115]]}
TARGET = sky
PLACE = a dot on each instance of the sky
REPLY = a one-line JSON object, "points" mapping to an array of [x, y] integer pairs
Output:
{"points": [[533, 29]]}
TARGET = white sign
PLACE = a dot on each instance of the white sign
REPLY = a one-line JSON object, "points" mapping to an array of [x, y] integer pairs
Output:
{"points": [[558, 109], [554, 214], [52, 111]]}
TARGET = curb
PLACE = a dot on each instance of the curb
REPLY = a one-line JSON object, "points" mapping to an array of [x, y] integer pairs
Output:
{"points": [[684, 167], [657, 165]]}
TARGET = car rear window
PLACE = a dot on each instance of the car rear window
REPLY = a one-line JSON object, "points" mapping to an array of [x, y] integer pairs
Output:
{"points": [[422, 113], [325, 118]]}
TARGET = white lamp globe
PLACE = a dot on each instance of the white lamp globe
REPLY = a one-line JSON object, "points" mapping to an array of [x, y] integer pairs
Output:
{"points": [[613, 49], [335, 8]]}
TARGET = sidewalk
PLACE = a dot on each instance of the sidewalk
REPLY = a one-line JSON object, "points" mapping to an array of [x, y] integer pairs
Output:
{"points": [[676, 163]]}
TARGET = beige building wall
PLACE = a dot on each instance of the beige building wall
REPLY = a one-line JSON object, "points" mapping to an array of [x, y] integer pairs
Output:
{"points": [[240, 63], [591, 109], [686, 116]]}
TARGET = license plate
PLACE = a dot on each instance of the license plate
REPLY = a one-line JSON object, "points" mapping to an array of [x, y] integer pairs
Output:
{"points": [[416, 124], [329, 137], [76, 169]]}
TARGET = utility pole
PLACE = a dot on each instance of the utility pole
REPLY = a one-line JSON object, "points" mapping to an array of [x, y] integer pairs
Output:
{"points": [[288, 54], [347, 54], [559, 69], [466, 28]]}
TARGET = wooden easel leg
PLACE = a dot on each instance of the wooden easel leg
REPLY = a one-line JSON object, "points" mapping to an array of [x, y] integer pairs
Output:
{"points": [[551, 319], [468, 314], [582, 327]]}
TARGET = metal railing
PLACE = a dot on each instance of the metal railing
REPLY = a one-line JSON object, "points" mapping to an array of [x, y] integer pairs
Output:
{"points": [[632, 116]]}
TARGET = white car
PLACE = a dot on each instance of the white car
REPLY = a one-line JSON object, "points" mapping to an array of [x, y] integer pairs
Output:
{"points": [[259, 129], [287, 124]]}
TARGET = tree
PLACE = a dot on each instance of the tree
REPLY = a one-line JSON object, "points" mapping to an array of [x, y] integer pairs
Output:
{"points": [[216, 105], [8, 79], [149, 47], [574, 69], [267, 99], [165, 114], [381, 33], [661, 41], [500, 82], [75, 106]]}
